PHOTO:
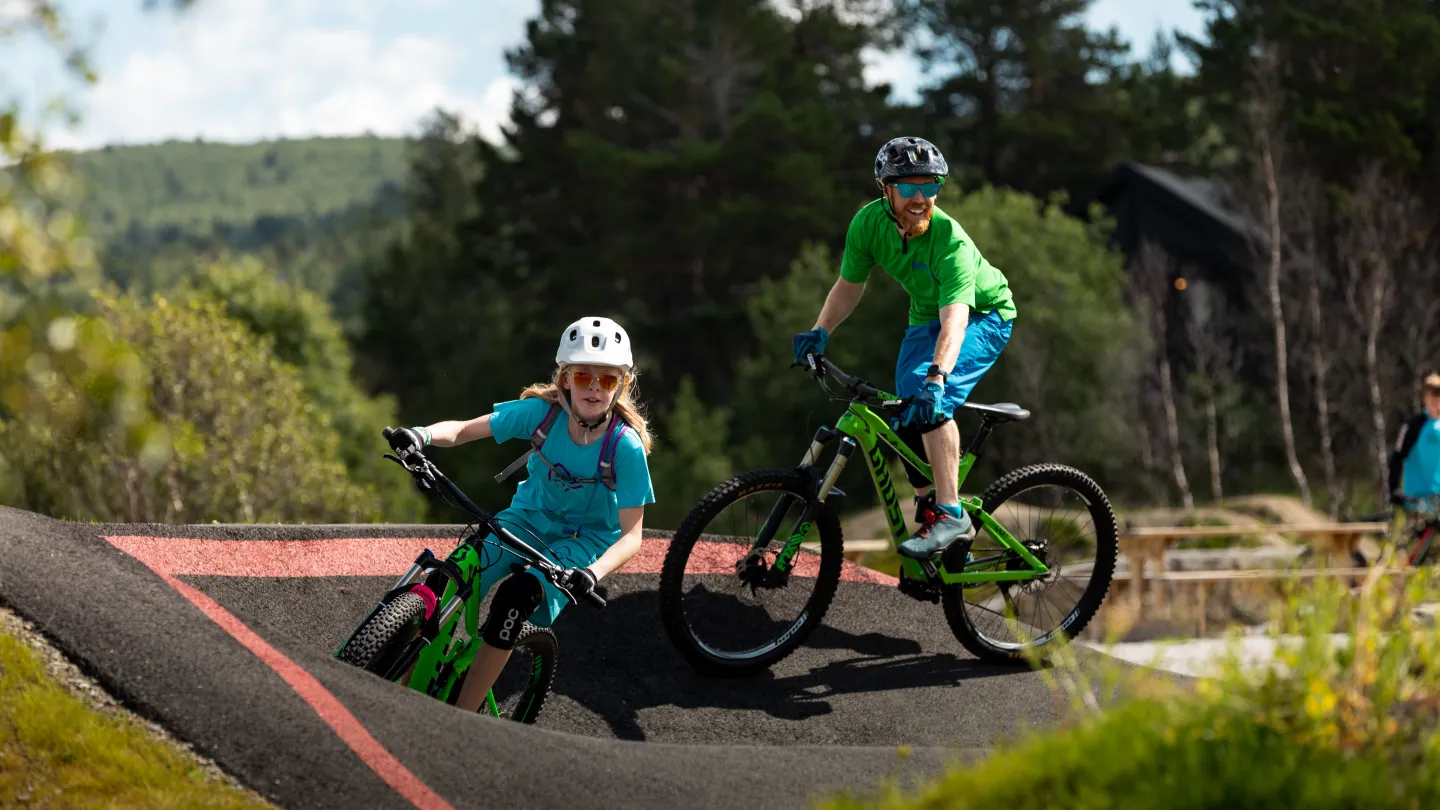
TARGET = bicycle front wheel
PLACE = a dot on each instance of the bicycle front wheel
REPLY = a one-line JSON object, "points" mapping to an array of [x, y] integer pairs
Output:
{"points": [[386, 634], [723, 604], [1063, 517]]}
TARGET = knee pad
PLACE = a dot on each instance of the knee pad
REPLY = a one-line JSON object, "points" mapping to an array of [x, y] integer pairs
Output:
{"points": [[515, 599]]}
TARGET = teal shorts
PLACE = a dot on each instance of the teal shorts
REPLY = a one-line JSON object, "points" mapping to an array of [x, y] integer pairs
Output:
{"points": [[557, 542]]}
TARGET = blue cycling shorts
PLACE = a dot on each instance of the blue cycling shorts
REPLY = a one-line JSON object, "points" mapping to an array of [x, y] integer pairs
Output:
{"points": [[985, 337]]}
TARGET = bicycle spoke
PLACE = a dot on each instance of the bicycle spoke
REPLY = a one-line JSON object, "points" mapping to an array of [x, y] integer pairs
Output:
{"points": [[1059, 528], [733, 599]]}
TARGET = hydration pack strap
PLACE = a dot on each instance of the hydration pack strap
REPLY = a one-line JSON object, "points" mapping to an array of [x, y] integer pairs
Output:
{"points": [[608, 449], [537, 440]]}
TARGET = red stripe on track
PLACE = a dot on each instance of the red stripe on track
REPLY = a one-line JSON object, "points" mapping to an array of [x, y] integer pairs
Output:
{"points": [[348, 557], [392, 556], [325, 704]]}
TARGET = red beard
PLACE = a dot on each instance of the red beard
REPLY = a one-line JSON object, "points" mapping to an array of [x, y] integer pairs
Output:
{"points": [[914, 226]]}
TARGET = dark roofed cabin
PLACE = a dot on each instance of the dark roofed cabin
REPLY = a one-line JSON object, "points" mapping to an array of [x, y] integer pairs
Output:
{"points": [[1188, 218]]}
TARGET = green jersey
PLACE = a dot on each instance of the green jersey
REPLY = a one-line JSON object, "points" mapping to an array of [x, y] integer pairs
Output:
{"points": [[939, 268]]}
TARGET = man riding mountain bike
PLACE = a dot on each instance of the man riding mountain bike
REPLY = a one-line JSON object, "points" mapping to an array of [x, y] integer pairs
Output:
{"points": [[961, 313]]}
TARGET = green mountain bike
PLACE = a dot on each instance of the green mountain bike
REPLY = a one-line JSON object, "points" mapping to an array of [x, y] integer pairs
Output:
{"points": [[753, 567], [415, 626]]}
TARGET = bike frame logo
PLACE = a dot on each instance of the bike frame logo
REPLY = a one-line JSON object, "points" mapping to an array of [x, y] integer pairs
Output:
{"points": [[787, 554], [887, 490]]}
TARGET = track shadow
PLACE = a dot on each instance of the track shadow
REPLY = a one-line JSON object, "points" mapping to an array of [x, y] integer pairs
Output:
{"points": [[621, 663]]}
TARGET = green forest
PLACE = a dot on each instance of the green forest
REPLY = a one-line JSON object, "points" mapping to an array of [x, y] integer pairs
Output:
{"points": [[199, 331]]}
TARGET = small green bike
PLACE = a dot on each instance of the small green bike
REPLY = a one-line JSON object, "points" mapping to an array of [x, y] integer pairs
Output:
{"points": [[737, 595], [416, 625]]}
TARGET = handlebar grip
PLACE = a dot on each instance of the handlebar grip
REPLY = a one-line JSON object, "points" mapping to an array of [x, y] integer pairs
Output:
{"points": [[595, 599], [387, 433]]}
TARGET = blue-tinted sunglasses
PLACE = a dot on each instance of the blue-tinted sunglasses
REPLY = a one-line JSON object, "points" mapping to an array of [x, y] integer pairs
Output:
{"points": [[907, 190]]}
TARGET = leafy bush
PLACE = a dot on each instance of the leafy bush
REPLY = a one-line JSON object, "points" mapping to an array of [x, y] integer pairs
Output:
{"points": [[238, 438], [689, 458], [304, 334], [1347, 715]]}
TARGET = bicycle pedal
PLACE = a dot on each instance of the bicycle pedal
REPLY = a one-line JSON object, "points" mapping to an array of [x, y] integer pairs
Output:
{"points": [[919, 591]]}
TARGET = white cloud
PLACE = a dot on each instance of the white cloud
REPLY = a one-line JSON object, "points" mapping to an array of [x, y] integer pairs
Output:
{"points": [[243, 70], [493, 109]]}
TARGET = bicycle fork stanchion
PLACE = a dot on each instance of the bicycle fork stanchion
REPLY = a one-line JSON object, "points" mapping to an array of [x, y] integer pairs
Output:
{"points": [[431, 629], [401, 586], [823, 436], [807, 515]]}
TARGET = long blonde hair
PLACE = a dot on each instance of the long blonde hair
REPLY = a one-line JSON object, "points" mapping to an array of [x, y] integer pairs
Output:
{"points": [[625, 403]]}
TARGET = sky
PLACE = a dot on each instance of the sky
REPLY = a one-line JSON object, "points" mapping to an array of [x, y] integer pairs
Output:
{"points": [[249, 70]]}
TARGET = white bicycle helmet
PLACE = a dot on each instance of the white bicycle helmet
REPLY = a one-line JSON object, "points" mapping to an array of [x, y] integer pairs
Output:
{"points": [[595, 341]]}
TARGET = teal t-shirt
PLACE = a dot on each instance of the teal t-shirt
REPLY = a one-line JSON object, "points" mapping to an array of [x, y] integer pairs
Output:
{"points": [[1422, 466], [590, 507], [940, 267]]}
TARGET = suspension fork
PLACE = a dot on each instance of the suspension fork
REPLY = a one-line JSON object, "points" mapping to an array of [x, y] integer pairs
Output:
{"points": [[846, 448], [823, 436]]}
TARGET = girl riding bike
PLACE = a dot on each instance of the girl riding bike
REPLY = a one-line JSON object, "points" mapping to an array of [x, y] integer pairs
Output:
{"points": [[585, 420]]}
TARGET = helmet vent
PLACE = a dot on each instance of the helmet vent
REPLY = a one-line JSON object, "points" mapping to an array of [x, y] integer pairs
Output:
{"points": [[595, 341], [617, 337], [574, 333], [594, 323]]}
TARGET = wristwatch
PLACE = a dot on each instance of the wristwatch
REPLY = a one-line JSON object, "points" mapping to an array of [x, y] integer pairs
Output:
{"points": [[934, 371]]}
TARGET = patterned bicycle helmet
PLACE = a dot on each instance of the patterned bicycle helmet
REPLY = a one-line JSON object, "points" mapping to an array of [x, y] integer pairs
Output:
{"points": [[909, 157]]}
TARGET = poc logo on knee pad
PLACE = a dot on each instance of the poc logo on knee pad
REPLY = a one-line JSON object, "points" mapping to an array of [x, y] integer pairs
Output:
{"points": [[509, 624], [517, 597]]}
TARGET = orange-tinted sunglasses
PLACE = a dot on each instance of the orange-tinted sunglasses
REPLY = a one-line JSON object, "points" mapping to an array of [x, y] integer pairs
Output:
{"points": [[582, 379]]}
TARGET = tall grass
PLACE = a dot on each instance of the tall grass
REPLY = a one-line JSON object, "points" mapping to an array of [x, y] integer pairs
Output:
{"points": [[1344, 715]]}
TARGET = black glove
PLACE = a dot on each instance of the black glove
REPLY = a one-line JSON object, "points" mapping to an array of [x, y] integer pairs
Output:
{"points": [[407, 440], [580, 581]]}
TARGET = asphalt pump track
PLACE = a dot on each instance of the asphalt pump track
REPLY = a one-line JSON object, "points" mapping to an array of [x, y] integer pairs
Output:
{"points": [[224, 634]]}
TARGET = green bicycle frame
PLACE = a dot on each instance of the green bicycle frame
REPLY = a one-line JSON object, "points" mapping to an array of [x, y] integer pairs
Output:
{"points": [[442, 651], [442, 661], [863, 429]]}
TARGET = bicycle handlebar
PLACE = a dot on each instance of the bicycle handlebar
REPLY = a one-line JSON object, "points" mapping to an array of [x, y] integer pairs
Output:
{"points": [[818, 366], [428, 476]]}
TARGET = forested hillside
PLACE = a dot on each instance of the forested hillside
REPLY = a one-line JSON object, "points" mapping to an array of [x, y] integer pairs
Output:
{"points": [[182, 189], [310, 208]]}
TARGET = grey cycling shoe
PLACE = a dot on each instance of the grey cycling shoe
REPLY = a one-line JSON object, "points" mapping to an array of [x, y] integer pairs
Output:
{"points": [[939, 533]]}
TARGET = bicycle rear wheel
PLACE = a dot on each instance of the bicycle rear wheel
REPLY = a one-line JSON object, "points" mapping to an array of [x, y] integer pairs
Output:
{"points": [[524, 684], [723, 605], [1062, 517]]}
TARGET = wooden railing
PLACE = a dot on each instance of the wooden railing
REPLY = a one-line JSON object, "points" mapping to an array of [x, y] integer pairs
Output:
{"points": [[1145, 549]]}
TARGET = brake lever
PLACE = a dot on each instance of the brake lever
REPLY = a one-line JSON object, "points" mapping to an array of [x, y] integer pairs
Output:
{"points": [[423, 477]]}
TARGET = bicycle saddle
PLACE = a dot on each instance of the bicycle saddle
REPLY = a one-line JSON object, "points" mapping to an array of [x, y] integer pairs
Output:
{"points": [[1000, 411]]}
